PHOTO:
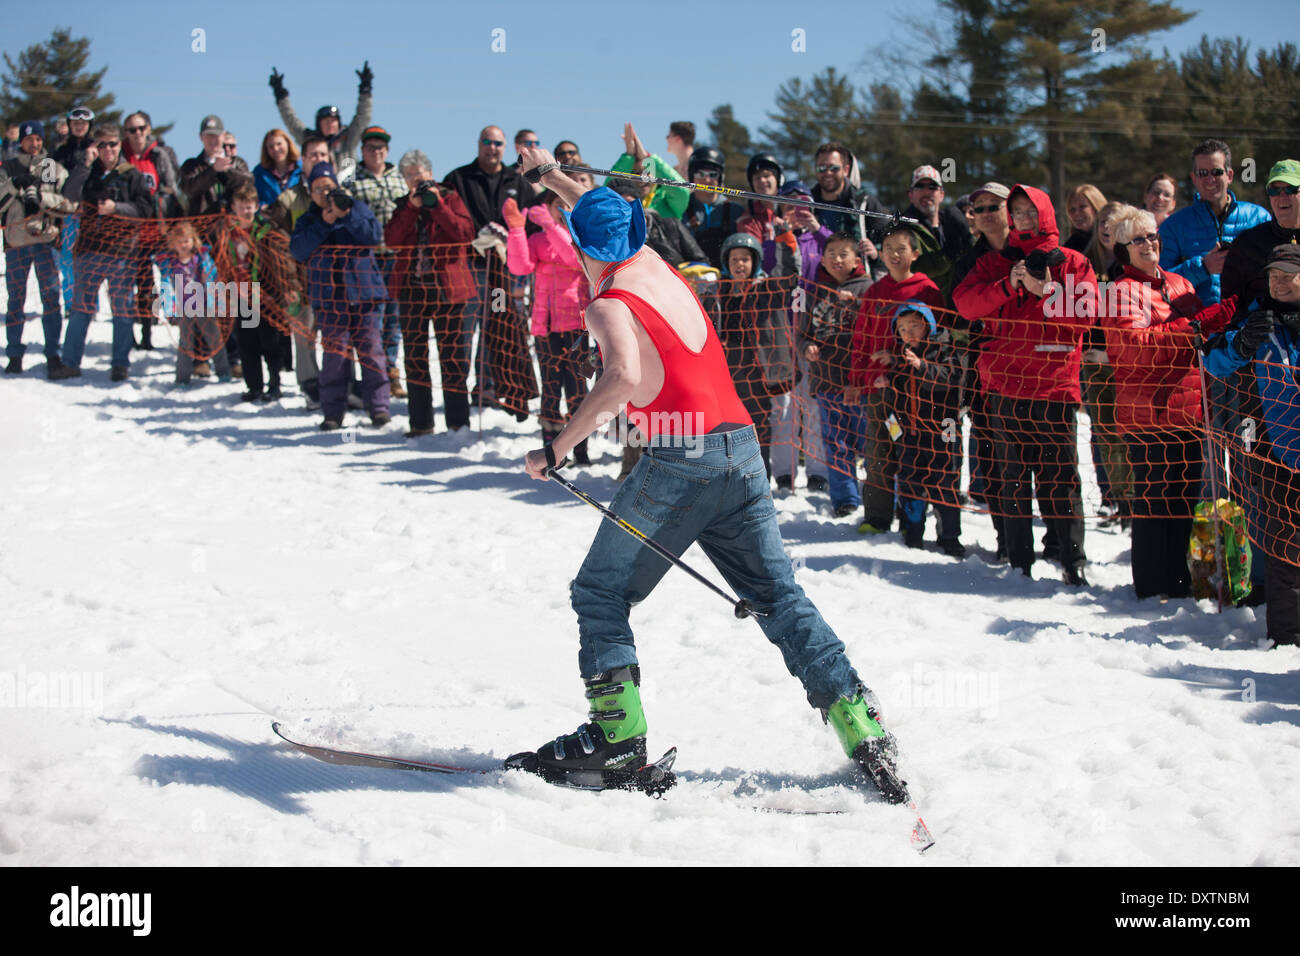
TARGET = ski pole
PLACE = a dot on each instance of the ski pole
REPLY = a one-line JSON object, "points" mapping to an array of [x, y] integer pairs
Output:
{"points": [[1220, 563], [734, 193], [742, 608]]}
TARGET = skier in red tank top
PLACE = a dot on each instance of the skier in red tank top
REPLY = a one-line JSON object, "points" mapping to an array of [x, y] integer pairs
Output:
{"points": [[701, 480]]}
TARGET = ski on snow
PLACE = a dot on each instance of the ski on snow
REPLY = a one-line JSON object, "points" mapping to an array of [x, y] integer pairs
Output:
{"points": [[654, 778]]}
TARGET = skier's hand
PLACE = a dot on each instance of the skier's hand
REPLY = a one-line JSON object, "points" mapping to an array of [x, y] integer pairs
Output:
{"points": [[535, 464]]}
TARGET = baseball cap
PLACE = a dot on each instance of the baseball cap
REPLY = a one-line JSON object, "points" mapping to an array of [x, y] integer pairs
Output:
{"points": [[375, 132], [1286, 171], [922, 173], [1284, 258], [993, 189], [211, 124]]}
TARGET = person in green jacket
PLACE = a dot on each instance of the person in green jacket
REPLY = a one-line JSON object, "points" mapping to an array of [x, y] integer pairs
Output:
{"points": [[668, 201]]}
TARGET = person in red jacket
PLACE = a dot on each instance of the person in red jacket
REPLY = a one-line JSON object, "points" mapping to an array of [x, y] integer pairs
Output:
{"points": [[1147, 315], [431, 280], [1035, 300]]}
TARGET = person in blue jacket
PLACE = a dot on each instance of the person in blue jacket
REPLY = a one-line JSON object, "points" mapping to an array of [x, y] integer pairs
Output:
{"points": [[336, 238], [1194, 241], [1267, 346]]}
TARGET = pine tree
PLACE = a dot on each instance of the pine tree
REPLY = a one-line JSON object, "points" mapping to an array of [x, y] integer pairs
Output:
{"points": [[50, 78], [732, 137], [829, 108]]}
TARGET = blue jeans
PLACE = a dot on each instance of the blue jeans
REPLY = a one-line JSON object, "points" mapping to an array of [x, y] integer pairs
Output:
{"points": [[19, 261], [719, 496], [843, 428], [91, 271]]}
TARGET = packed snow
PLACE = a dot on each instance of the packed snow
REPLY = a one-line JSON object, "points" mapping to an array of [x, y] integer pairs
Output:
{"points": [[179, 569]]}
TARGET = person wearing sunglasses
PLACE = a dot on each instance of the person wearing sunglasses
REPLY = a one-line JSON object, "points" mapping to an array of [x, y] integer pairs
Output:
{"points": [[1243, 271], [34, 204], [484, 185], [343, 140], [1148, 317], [156, 165], [1195, 239], [1029, 370], [945, 237], [833, 163], [106, 249]]}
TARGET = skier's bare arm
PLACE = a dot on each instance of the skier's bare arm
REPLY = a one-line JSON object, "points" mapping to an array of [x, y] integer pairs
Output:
{"points": [[612, 326]]}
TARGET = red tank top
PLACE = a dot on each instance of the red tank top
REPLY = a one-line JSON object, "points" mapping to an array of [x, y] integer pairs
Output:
{"points": [[697, 394]]}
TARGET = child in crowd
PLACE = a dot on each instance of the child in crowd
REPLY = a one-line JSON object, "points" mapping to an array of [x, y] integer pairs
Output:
{"points": [[748, 309], [188, 274], [872, 351], [560, 294], [923, 423], [260, 260], [826, 341]]}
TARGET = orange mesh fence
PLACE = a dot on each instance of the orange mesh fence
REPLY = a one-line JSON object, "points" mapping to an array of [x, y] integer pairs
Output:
{"points": [[1086, 417]]}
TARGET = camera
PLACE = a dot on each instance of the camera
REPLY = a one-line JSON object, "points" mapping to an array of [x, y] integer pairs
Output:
{"points": [[1038, 262], [340, 198]]}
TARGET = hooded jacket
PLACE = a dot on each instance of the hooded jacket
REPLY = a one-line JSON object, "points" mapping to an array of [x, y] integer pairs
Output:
{"points": [[340, 258], [560, 288], [1032, 347]]}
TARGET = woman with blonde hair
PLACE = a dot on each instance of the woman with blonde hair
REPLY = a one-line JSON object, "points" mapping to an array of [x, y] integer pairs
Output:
{"points": [[1148, 318], [1081, 208], [1100, 249]]}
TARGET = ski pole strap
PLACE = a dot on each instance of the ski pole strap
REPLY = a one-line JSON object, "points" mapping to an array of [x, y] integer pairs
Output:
{"points": [[551, 463]]}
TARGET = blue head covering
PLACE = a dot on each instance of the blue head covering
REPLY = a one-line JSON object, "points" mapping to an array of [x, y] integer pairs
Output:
{"points": [[322, 169], [919, 307], [606, 226], [30, 127]]}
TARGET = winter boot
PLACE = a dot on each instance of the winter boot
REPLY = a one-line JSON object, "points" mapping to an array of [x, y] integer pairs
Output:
{"points": [[605, 753], [857, 724]]}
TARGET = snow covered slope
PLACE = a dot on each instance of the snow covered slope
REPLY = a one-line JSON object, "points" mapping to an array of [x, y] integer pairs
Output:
{"points": [[177, 569]]}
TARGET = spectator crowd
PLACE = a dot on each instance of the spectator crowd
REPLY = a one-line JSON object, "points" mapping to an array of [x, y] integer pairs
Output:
{"points": [[937, 357]]}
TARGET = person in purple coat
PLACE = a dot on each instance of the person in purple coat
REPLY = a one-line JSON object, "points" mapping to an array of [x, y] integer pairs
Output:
{"points": [[336, 239]]}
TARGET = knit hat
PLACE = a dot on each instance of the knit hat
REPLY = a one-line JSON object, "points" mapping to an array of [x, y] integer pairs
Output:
{"points": [[31, 128], [322, 169]]}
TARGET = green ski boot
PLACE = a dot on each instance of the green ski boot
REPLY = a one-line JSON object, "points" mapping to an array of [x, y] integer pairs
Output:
{"points": [[609, 751], [856, 721]]}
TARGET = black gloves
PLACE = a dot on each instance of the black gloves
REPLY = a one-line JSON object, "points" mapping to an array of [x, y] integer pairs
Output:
{"points": [[277, 85], [22, 180], [1038, 262], [367, 77], [31, 201], [1254, 333]]}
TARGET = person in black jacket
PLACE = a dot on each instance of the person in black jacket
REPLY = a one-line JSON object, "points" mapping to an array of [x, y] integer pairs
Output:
{"points": [[113, 191], [946, 236], [1244, 274], [923, 424]]}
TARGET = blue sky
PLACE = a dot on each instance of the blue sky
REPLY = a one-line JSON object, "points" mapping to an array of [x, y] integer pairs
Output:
{"points": [[569, 70]]}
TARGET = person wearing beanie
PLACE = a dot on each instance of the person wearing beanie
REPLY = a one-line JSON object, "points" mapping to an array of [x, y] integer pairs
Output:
{"points": [[36, 195], [336, 238]]}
